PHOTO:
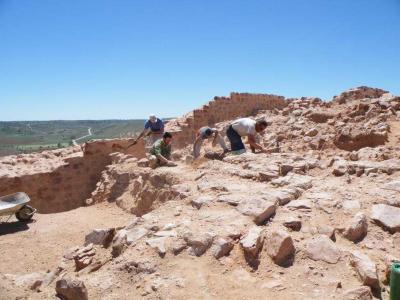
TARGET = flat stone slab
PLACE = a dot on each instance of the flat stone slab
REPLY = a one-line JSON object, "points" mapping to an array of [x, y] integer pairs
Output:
{"points": [[300, 204], [258, 208], [386, 216], [392, 186], [322, 248]]}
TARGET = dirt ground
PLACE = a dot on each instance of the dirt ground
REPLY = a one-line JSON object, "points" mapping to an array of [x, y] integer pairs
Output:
{"points": [[37, 245]]}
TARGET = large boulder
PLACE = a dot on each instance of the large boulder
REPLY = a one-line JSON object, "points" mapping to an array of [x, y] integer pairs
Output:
{"points": [[71, 289], [357, 229], [366, 269], [323, 248], [280, 247], [387, 216]]}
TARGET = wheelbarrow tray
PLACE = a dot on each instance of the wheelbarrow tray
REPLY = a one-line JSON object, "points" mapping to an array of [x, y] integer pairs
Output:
{"points": [[10, 204]]}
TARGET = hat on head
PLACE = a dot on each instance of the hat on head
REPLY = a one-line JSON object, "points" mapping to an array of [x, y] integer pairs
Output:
{"points": [[153, 118]]}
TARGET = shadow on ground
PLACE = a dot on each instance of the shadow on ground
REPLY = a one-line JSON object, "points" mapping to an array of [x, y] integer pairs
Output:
{"points": [[12, 227]]}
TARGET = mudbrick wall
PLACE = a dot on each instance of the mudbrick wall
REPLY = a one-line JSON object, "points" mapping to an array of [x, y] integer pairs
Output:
{"points": [[221, 109]]}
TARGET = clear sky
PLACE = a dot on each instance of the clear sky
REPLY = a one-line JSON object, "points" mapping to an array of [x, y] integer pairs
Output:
{"points": [[101, 59]]}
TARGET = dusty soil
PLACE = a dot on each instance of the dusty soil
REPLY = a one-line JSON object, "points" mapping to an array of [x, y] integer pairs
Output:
{"points": [[37, 245]]}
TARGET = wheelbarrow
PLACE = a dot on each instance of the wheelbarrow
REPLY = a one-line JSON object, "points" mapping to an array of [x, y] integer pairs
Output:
{"points": [[16, 204]]}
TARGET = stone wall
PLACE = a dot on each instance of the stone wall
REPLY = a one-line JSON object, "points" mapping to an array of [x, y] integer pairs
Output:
{"points": [[221, 109], [59, 181]]}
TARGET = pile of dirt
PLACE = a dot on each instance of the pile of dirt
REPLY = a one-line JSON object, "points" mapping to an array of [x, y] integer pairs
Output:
{"points": [[317, 218]]}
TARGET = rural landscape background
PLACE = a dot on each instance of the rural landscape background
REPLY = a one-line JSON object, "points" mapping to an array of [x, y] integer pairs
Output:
{"points": [[18, 137]]}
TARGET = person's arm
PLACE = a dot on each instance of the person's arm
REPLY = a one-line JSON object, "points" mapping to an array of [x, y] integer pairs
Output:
{"points": [[162, 158], [253, 144], [137, 139], [196, 152]]}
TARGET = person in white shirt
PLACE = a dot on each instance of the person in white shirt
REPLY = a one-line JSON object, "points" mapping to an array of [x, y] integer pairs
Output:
{"points": [[245, 127], [205, 133]]}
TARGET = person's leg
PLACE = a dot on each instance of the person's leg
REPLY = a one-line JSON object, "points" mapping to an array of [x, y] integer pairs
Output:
{"points": [[235, 139], [153, 161], [197, 148]]}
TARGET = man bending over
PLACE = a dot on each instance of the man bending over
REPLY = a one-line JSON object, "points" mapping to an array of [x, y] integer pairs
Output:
{"points": [[206, 133], [245, 127]]}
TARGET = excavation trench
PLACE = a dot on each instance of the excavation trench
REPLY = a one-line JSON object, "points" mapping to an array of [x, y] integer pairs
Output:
{"points": [[71, 182]]}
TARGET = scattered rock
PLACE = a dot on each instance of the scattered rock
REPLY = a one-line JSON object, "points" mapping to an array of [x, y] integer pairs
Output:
{"points": [[386, 216], [258, 208], [84, 257], [300, 204], [360, 293], [135, 234], [357, 229], [232, 199], [292, 223], [252, 243], [178, 246], [221, 247], [280, 247], [392, 186], [327, 230], [100, 237], [284, 196], [199, 201], [119, 242], [312, 132], [71, 289], [198, 243], [158, 244], [351, 205], [366, 269], [322, 248]]}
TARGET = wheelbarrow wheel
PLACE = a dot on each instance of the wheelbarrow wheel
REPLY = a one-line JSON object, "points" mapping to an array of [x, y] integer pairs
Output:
{"points": [[25, 213]]}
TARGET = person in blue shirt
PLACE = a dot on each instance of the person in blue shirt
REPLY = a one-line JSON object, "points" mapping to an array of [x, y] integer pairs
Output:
{"points": [[153, 131]]}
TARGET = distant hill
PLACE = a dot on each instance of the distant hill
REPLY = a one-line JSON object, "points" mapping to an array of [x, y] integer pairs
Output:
{"points": [[30, 136]]}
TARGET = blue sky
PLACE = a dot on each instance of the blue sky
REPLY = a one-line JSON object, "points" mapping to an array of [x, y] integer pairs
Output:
{"points": [[98, 59]]}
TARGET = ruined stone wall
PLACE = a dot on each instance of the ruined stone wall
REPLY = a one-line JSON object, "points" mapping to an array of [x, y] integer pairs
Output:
{"points": [[221, 109], [60, 183]]}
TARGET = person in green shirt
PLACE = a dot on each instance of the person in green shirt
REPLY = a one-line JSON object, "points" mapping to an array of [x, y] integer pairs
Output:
{"points": [[160, 152]]}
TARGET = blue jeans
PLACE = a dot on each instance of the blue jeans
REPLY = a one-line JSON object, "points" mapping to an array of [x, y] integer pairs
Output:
{"points": [[235, 139]]}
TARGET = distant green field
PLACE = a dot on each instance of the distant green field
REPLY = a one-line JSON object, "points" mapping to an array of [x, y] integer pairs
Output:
{"points": [[32, 136]]}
